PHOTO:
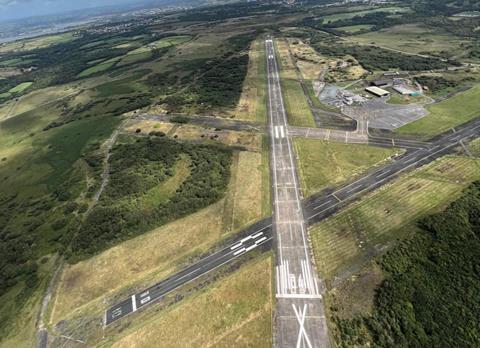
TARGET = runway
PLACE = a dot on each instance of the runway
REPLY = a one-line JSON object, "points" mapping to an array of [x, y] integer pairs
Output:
{"points": [[299, 314], [299, 319], [256, 237], [315, 209]]}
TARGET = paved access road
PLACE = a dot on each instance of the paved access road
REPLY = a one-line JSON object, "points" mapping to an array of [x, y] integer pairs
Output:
{"points": [[299, 319], [256, 236]]}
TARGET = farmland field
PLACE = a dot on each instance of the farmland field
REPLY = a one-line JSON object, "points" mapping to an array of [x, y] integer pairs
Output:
{"points": [[348, 15]]}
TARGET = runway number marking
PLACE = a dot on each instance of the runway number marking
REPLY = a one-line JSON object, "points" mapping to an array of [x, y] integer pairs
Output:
{"points": [[116, 312]]}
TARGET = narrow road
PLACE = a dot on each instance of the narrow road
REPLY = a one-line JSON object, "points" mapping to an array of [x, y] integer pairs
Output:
{"points": [[299, 319]]}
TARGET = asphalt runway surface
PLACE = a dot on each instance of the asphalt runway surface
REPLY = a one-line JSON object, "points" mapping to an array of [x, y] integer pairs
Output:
{"points": [[299, 319], [256, 237], [315, 209]]}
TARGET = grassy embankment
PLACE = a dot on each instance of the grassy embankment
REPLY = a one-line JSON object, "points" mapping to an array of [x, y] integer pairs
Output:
{"points": [[345, 241], [327, 164], [449, 113]]}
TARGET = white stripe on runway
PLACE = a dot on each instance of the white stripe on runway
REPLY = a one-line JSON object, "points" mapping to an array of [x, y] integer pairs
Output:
{"points": [[134, 303], [236, 246], [239, 251], [260, 240], [257, 235]]}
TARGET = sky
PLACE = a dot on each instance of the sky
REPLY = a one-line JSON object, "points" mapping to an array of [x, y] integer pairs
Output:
{"points": [[14, 9]]}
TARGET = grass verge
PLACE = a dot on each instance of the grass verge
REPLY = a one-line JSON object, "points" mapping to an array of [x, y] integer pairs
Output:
{"points": [[447, 114], [298, 110], [346, 240], [323, 164], [225, 314]]}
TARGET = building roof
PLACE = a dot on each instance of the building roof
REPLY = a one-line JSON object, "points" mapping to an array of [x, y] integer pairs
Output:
{"points": [[403, 90], [377, 91], [380, 83]]}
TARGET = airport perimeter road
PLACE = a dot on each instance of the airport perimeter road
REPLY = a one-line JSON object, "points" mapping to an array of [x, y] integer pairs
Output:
{"points": [[256, 236], [299, 319]]}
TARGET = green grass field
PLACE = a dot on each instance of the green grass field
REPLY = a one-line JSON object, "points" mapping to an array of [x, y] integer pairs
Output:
{"points": [[344, 241], [348, 15], [326, 164], [449, 113], [38, 42], [412, 38], [355, 28], [21, 87], [97, 68], [171, 41]]}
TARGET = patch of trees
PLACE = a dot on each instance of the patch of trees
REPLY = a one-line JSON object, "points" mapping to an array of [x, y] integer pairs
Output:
{"points": [[379, 20], [222, 85], [209, 83], [438, 83], [137, 167], [375, 58], [431, 293]]}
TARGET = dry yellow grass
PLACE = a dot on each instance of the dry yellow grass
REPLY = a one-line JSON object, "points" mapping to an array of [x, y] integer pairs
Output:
{"points": [[150, 256], [312, 64], [349, 237], [244, 202], [147, 126], [156, 254], [298, 110], [286, 63], [247, 106], [235, 312]]}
